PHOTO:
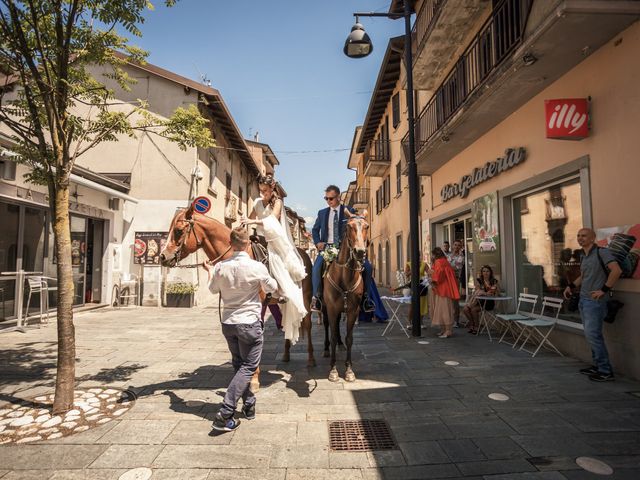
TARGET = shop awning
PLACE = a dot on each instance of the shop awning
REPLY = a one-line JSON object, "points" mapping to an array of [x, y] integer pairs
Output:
{"points": [[101, 188]]}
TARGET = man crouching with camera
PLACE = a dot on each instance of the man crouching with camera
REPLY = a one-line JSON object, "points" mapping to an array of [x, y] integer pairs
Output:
{"points": [[598, 273], [239, 280]]}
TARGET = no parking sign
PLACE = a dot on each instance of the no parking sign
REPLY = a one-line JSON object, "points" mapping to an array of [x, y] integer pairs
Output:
{"points": [[202, 205]]}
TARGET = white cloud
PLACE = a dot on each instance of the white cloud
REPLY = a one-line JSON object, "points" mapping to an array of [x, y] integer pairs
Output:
{"points": [[309, 220]]}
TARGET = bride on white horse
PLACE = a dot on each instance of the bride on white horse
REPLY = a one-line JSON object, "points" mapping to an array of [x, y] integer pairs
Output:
{"points": [[285, 263]]}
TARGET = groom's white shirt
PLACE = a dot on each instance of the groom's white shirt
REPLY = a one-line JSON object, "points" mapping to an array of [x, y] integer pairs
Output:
{"points": [[238, 280]]}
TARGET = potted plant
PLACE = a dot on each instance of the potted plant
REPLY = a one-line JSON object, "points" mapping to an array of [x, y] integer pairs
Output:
{"points": [[180, 294]]}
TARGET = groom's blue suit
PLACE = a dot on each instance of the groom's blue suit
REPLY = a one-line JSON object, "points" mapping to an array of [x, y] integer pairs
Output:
{"points": [[320, 234]]}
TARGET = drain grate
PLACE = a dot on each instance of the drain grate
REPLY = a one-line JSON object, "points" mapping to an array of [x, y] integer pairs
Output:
{"points": [[359, 435]]}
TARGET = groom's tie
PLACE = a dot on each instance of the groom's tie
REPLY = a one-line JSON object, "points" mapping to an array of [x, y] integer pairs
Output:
{"points": [[336, 231]]}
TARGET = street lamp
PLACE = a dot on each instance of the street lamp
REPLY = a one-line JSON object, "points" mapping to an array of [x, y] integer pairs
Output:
{"points": [[358, 45]]}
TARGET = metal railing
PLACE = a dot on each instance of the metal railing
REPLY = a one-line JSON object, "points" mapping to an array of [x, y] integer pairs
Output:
{"points": [[426, 18], [377, 151], [360, 196], [230, 210], [497, 38]]}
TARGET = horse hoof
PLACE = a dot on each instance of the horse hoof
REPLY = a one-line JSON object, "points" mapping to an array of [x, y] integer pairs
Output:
{"points": [[333, 376], [350, 376], [342, 348], [326, 354], [254, 386]]}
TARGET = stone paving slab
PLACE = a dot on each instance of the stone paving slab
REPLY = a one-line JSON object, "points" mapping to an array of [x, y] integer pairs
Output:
{"points": [[440, 415]]}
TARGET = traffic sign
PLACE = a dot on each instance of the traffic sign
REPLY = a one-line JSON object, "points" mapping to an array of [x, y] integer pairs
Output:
{"points": [[202, 204]]}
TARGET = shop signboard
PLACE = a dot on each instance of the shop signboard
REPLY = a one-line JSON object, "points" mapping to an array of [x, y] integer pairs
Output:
{"points": [[147, 247], [486, 236], [567, 118]]}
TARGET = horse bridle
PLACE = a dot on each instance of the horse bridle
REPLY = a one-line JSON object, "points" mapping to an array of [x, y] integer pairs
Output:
{"points": [[359, 268], [183, 239]]}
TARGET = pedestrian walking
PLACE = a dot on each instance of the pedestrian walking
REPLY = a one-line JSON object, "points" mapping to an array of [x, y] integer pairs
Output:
{"points": [[598, 274], [239, 280], [445, 287]]}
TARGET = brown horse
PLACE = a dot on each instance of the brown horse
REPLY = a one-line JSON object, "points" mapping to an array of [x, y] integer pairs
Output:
{"points": [[343, 290], [190, 231]]}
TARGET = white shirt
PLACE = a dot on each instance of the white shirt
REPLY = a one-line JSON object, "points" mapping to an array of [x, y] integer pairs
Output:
{"points": [[238, 280], [332, 214]]}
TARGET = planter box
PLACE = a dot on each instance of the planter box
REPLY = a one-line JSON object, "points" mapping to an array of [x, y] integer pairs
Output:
{"points": [[179, 300]]}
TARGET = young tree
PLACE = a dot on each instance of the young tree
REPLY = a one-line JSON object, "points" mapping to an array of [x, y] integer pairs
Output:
{"points": [[60, 111]]}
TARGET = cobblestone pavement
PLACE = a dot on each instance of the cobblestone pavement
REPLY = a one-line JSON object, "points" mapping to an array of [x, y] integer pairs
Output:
{"points": [[440, 415]]}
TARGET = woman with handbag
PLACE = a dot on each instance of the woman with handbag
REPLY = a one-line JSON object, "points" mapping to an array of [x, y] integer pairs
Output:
{"points": [[486, 285]]}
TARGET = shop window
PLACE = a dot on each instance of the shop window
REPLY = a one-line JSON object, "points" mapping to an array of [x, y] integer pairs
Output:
{"points": [[547, 253]]}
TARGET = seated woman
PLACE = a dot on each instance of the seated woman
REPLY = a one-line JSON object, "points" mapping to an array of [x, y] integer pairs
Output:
{"points": [[485, 284], [285, 263]]}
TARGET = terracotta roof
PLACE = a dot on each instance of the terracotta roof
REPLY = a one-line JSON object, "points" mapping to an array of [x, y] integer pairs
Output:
{"points": [[214, 101], [271, 157], [386, 83]]}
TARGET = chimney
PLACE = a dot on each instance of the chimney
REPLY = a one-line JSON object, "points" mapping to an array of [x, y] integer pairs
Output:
{"points": [[256, 137]]}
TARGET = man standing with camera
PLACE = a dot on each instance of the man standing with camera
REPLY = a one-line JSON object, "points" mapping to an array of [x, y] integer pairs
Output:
{"points": [[239, 280], [598, 274]]}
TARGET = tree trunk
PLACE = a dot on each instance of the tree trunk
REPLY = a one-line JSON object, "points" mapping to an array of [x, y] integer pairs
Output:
{"points": [[66, 372]]}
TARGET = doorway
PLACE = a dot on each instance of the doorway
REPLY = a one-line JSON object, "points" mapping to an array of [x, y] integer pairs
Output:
{"points": [[461, 229]]}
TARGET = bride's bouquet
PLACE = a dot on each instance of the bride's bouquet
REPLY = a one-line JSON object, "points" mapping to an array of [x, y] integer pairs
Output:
{"points": [[329, 254]]}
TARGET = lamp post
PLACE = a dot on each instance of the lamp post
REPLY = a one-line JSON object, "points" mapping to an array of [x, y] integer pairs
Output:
{"points": [[358, 45]]}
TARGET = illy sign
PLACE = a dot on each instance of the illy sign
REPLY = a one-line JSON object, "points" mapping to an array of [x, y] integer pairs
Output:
{"points": [[567, 118]]}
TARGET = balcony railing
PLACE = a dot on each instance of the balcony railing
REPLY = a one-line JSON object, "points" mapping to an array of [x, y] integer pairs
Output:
{"points": [[377, 151], [426, 18], [497, 38], [230, 210], [359, 197], [555, 208]]}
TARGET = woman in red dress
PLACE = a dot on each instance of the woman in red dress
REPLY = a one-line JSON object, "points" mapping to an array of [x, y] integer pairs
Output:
{"points": [[445, 288]]}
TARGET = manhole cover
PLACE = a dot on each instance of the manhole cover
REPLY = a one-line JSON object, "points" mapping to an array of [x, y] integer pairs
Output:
{"points": [[452, 363], [594, 465], [359, 435], [142, 473], [500, 397]]}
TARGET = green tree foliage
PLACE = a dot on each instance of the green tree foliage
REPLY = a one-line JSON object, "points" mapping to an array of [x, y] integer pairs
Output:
{"points": [[59, 111]]}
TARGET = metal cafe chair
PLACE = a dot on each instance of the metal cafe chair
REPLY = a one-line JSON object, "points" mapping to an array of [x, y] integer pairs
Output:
{"points": [[122, 289], [35, 287], [509, 320], [533, 328]]}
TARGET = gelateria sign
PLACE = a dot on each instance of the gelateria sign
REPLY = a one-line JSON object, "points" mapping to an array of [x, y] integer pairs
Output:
{"points": [[511, 158]]}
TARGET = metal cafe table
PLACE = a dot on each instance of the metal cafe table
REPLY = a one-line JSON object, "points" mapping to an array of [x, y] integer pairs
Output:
{"points": [[393, 304], [19, 276], [485, 316]]}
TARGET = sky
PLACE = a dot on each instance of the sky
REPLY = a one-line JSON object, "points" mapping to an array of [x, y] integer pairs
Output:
{"points": [[280, 68]]}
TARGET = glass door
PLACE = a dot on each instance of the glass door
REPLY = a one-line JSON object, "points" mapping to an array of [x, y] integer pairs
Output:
{"points": [[10, 221], [78, 257]]}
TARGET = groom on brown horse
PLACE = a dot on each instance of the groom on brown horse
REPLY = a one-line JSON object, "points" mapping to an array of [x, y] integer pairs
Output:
{"points": [[327, 231]]}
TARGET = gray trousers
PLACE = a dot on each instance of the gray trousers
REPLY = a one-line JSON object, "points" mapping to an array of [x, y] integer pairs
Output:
{"points": [[245, 344]]}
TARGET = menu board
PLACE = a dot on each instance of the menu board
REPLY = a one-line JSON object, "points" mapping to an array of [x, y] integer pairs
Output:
{"points": [[147, 247]]}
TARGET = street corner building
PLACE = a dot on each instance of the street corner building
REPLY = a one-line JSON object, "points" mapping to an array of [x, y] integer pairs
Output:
{"points": [[525, 131]]}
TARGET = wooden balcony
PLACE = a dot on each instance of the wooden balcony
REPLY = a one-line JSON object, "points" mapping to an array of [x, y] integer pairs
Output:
{"points": [[377, 158]]}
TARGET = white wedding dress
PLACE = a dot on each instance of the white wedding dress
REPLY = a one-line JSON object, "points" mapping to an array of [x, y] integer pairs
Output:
{"points": [[285, 265]]}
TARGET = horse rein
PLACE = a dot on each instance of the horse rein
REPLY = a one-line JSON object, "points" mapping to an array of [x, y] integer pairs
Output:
{"points": [[183, 239], [359, 268]]}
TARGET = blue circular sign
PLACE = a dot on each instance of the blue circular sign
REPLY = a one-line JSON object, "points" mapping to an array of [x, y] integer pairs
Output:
{"points": [[202, 204]]}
